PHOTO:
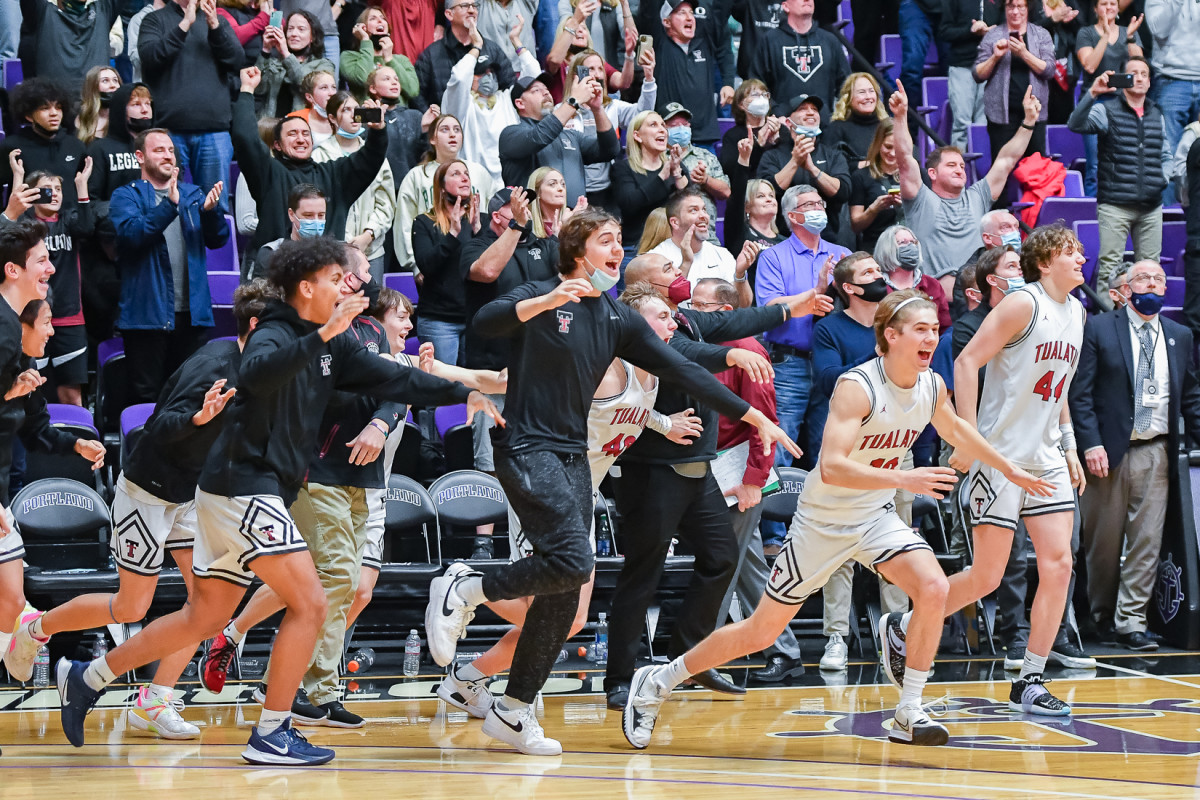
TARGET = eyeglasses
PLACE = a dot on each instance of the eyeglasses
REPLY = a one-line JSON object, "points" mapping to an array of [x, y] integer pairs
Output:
{"points": [[814, 205], [1149, 280], [754, 94], [467, 6], [699, 304]]}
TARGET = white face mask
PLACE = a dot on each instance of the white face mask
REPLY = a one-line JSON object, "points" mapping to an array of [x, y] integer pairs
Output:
{"points": [[758, 106]]}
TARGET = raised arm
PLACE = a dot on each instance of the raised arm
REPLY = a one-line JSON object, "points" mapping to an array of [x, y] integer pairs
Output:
{"points": [[910, 170], [1014, 151]]}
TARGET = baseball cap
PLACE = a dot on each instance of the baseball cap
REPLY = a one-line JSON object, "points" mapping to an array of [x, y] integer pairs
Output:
{"points": [[523, 83], [669, 6], [499, 200], [800, 100], [674, 110]]}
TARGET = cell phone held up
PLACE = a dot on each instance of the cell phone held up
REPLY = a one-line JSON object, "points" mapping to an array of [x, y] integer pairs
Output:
{"points": [[644, 43], [582, 73], [368, 114], [45, 196], [1120, 81], [276, 20]]}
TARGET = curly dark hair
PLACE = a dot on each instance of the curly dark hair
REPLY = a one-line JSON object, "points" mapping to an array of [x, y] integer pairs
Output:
{"points": [[35, 93], [295, 261], [1042, 246], [250, 301]]}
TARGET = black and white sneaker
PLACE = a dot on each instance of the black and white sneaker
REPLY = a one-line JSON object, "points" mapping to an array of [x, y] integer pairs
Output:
{"points": [[912, 725], [641, 707], [337, 716], [520, 729], [259, 695], [447, 614], [472, 697], [1065, 653], [1030, 696], [891, 639], [305, 713]]}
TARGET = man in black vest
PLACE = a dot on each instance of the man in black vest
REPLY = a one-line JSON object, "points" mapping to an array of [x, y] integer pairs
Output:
{"points": [[1134, 162]]}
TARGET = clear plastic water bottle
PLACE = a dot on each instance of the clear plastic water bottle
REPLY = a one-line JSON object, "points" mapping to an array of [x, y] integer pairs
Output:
{"points": [[602, 639], [99, 647], [41, 668], [412, 654], [361, 661], [603, 548]]}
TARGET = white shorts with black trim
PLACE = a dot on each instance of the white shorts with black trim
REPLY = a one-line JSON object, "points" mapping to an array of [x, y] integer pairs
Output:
{"points": [[813, 551], [994, 500], [519, 545], [12, 546], [376, 517], [233, 531], [145, 527]]}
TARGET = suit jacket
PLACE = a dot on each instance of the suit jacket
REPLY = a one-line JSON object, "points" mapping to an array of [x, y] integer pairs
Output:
{"points": [[1101, 397]]}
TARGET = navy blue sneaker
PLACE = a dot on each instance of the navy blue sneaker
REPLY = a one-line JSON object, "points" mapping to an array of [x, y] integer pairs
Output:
{"points": [[75, 696], [285, 747]]}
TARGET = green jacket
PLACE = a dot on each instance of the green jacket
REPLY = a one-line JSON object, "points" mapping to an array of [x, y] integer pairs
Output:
{"points": [[358, 64]]}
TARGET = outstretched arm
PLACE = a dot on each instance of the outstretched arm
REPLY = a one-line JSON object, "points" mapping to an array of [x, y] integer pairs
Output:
{"points": [[1014, 151], [910, 170]]}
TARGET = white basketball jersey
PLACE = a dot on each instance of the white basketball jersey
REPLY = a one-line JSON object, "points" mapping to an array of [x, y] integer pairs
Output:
{"points": [[615, 423], [887, 433], [1028, 380]]}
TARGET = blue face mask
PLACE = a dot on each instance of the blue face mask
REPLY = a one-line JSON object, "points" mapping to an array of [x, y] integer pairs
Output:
{"points": [[679, 135], [345, 134], [601, 279], [1012, 239], [1014, 284], [815, 221], [310, 228], [1147, 303], [811, 131]]}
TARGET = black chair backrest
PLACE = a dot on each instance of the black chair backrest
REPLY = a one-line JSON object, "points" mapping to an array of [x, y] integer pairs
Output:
{"points": [[780, 506], [923, 506], [40, 464], [406, 504], [459, 445], [408, 453], [65, 524], [469, 498], [112, 393]]}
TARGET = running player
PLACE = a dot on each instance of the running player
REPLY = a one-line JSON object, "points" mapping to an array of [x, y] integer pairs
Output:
{"points": [[846, 511], [622, 407], [154, 511], [292, 365], [1030, 342]]}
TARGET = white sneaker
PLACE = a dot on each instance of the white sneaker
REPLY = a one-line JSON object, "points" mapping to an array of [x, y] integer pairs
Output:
{"points": [[447, 614], [520, 729], [472, 697], [22, 652], [837, 656], [912, 725], [641, 709], [160, 716]]}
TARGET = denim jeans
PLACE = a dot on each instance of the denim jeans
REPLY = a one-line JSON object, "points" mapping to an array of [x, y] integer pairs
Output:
{"points": [[207, 157], [1091, 156], [10, 28], [446, 338], [966, 104], [1180, 104], [916, 32], [793, 384]]}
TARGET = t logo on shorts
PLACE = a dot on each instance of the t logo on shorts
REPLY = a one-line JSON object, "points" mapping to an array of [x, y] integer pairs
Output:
{"points": [[268, 531], [564, 321], [132, 549]]}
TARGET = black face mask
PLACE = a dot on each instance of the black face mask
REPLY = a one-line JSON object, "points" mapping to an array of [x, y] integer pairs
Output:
{"points": [[45, 133], [136, 126], [874, 291], [377, 38], [371, 292], [105, 99]]}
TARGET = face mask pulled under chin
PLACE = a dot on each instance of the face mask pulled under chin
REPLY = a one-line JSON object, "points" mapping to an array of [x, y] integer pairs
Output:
{"points": [[139, 125], [601, 280]]}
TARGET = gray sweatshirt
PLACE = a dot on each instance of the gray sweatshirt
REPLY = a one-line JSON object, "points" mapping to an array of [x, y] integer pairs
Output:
{"points": [[1175, 25]]}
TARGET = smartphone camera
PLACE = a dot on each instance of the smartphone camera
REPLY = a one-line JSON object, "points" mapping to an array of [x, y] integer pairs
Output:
{"points": [[45, 196], [368, 114], [1121, 81]]}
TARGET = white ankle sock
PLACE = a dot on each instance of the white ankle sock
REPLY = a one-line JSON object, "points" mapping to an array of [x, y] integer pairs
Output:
{"points": [[470, 589], [154, 692], [907, 618], [98, 675], [511, 704], [271, 721], [914, 685], [468, 672], [673, 674], [233, 634], [35, 630], [1033, 664]]}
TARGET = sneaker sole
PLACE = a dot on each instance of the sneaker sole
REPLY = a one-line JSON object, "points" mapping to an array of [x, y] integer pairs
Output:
{"points": [[933, 736], [1041, 712], [21, 654], [310, 722], [501, 733], [1014, 664], [200, 668], [448, 697], [143, 724], [827, 666], [639, 680], [885, 657], [258, 696], [1071, 662], [275, 760]]}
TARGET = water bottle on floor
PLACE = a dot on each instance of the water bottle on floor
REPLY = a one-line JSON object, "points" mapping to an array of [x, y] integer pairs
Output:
{"points": [[412, 654], [602, 639], [99, 647], [41, 668], [361, 661]]}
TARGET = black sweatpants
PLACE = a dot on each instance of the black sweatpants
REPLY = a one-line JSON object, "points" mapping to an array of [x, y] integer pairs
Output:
{"points": [[551, 494], [655, 503], [154, 355]]}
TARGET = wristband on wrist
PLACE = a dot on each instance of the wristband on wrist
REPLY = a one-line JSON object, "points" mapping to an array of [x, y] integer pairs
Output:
{"points": [[742, 279], [659, 422], [380, 426], [1027, 127], [1067, 431]]}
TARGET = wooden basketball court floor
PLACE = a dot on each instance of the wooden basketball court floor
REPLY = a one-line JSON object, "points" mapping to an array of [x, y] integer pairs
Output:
{"points": [[1133, 735]]}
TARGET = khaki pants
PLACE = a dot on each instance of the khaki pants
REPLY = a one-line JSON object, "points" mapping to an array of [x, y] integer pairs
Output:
{"points": [[1125, 513], [1116, 224], [333, 521]]}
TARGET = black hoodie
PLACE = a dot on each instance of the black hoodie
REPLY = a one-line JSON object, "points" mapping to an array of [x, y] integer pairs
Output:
{"points": [[287, 378], [61, 154], [113, 161]]}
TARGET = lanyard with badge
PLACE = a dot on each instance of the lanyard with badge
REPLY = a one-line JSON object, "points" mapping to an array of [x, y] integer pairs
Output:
{"points": [[1151, 397]]}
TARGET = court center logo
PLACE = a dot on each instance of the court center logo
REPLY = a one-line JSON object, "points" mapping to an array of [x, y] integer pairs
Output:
{"points": [[981, 723]]}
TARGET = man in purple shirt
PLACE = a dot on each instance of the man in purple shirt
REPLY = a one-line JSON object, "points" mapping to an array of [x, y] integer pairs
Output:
{"points": [[801, 263]]}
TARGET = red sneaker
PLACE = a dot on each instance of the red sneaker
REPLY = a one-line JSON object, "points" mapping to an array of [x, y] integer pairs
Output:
{"points": [[214, 664]]}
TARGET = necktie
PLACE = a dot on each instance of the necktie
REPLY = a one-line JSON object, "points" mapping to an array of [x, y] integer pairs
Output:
{"points": [[1142, 413]]}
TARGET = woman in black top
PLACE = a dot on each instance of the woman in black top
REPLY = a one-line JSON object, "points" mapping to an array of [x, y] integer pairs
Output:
{"points": [[856, 116], [758, 221], [645, 178], [875, 190], [751, 112], [437, 238]]}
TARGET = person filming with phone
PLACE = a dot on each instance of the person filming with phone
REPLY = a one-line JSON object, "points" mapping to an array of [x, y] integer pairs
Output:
{"points": [[1134, 156]]}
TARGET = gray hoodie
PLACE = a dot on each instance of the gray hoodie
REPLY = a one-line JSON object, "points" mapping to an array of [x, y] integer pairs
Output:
{"points": [[1176, 28]]}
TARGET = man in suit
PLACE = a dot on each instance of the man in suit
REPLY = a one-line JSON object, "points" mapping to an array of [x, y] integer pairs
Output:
{"points": [[1147, 381]]}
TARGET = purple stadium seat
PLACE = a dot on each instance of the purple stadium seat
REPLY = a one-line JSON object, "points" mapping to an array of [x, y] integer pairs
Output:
{"points": [[221, 286], [1175, 314], [108, 349], [412, 345], [1069, 209], [64, 414], [225, 258], [135, 416], [402, 282], [1174, 242], [13, 73], [446, 417], [1174, 291], [935, 93], [724, 123], [1088, 231], [1073, 184], [978, 142], [890, 55], [1064, 145]]}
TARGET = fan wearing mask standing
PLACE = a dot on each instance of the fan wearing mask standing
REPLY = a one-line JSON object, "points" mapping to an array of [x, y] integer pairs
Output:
{"points": [[899, 255]]}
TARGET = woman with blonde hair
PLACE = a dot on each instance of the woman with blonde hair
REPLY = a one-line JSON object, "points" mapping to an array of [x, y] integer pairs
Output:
{"points": [[856, 114], [98, 88], [572, 39], [548, 202], [646, 177], [875, 189], [656, 231]]}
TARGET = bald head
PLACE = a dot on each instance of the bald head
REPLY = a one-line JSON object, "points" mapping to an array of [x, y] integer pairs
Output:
{"points": [[994, 224], [650, 267]]}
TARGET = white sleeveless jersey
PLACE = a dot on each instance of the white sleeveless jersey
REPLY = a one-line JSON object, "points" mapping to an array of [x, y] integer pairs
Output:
{"points": [[887, 433], [1028, 380], [615, 423]]}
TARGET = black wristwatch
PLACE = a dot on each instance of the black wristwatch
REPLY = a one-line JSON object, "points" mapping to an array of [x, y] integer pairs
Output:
{"points": [[573, 103], [521, 229]]}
